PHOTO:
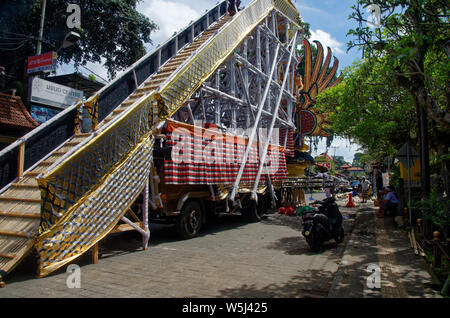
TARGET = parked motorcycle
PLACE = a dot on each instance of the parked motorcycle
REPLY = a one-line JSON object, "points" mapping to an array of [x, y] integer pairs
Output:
{"points": [[322, 224]]}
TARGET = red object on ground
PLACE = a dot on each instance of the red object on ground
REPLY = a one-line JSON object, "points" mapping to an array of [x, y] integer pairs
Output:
{"points": [[350, 203], [282, 210], [289, 210]]}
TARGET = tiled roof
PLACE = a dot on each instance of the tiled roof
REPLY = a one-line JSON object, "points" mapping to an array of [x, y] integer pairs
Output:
{"points": [[355, 169], [14, 115], [327, 157]]}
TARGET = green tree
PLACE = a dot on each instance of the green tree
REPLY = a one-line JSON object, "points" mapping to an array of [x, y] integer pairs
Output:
{"points": [[367, 108], [406, 60], [110, 29], [413, 35]]}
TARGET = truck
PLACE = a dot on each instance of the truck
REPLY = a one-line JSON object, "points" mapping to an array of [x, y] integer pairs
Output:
{"points": [[189, 204]]}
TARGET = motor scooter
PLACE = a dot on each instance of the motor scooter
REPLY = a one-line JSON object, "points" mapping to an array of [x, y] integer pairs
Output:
{"points": [[322, 224]]}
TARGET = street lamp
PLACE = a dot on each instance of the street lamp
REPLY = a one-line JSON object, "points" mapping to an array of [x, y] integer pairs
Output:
{"points": [[70, 39]]}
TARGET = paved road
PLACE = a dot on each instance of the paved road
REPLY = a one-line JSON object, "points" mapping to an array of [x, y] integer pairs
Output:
{"points": [[229, 259]]}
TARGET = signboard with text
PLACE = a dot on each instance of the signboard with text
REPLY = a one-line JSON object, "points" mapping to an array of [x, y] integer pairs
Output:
{"points": [[52, 94], [42, 63]]}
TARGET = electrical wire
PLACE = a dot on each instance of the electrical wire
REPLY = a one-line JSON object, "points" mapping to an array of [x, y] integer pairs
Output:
{"points": [[94, 73], [21, 44]]}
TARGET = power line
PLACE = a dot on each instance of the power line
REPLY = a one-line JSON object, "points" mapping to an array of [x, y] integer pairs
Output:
{"points": [[94, 73]]}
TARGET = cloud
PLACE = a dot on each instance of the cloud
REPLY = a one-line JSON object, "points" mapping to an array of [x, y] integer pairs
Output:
{"points": [[339, 146], [302, 7], [170, 17], [327, 40]]}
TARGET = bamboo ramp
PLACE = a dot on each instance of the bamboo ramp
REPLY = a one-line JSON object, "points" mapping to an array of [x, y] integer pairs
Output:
{"points": [[20, 204], [77, 194], [20, 207]]}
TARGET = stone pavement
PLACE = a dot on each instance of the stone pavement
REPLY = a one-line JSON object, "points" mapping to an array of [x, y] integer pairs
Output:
{"points": [[376, 241], [231, 258]]}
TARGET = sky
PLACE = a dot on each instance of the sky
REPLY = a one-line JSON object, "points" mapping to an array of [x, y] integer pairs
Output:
{"points": [[328, 20]]}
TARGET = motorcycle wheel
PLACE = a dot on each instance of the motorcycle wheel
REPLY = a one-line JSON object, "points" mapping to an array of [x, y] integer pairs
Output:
{"points": [[340, 238], [313, 241]]}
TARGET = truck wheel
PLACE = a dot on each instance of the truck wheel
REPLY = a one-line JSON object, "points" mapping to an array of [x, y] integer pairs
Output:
{"points": [[251, 211], [190, 220]]}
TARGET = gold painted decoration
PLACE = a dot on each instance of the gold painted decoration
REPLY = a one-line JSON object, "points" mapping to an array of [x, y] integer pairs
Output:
{"points": [[310, 120], [77, 126], [92, 107], [96, 214]]}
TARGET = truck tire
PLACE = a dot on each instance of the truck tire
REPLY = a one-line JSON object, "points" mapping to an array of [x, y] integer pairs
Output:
{"points": [[252, 211], [189, 221]]}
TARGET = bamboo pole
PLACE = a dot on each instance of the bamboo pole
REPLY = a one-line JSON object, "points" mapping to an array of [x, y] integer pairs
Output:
{"points": [[21, 159], [146, 236], [95, 253]]}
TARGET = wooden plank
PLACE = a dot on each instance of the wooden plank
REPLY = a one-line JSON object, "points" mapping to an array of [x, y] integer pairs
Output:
{"points": [[20, 199], [47, 162], [19, 257], [33, 173], [126, 227], [95, 254], [21, 160], [134, 216], [10, 256], [16, 234], [25, 185], [21, 214]]}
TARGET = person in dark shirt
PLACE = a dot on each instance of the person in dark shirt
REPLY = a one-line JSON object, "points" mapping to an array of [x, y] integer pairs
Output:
{"points": [[233, 6], [378, 183]]}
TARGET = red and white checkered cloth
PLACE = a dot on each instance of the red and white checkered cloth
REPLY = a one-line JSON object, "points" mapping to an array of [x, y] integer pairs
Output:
{"points": [[289, 150], [205, 156]]}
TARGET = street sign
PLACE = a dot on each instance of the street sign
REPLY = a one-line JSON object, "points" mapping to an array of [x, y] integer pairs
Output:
{"points": [[407, 155], [52, 94], [42, 63]]}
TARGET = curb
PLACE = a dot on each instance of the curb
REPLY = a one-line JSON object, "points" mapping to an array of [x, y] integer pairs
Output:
{"points": [[344, 262], [339, 276]]}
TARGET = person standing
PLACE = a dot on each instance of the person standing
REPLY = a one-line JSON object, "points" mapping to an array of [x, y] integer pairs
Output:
{"points": [[378, 183], [365, 184]]}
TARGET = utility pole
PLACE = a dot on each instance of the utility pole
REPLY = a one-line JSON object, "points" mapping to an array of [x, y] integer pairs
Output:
{"points": [[41, 28]]}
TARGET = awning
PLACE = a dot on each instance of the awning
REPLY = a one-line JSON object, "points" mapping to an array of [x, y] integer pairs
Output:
{"points": [[208, 156]]}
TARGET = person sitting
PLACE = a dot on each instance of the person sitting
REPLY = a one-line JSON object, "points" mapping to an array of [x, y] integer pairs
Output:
{"points": [[389, 202]]}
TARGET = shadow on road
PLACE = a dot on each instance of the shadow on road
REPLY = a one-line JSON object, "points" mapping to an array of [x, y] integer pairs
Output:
{"points": [[308, 284]]}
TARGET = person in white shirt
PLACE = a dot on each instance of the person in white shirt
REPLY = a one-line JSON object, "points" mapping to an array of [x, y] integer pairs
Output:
{"points": [[365, 185], [326, 179]]}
